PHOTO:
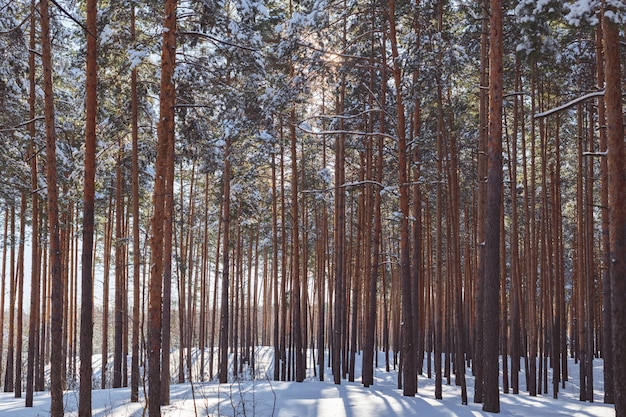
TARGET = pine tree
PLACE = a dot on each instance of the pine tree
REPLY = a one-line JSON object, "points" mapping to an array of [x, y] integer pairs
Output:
{"points": [[87, 281], [491, 394], [33, 328], [164, 165], [56, 301], [617, 196]]}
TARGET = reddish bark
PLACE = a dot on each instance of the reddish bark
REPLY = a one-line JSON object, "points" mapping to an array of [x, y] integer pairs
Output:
{"points": [[617, 205], [86, 328], [491, 313]]}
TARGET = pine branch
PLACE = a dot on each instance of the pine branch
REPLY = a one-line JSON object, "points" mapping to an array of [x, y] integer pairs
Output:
{"points": [[72, 18], [569, 104]]}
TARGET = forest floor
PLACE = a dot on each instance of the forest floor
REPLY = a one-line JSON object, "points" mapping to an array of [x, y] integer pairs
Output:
{"points": [[265, 398]]}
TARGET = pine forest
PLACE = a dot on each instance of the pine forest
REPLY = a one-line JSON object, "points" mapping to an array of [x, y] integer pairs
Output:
{"points": [[442, 182]]}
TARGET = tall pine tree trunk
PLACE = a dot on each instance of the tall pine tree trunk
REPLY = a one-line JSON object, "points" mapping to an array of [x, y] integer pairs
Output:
{"points": [[108, 230], [515, 292], [617, 205], [607, 334], [120, 270], [276, 310], [295, 247], [339, 232], [224, 315], [491, 313], [167, 100], [134, 372], [86, 322], [477, 364], [168, 220], [3, 285], [33, 331], [56, 284], [409, 374], [20, 299]]}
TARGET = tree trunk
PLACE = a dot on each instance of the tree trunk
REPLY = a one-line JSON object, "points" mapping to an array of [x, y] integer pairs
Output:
{"points": [[5, 243], [456, 285], [491, 395], [134, 372], [477, 364], [56, 277], [120, 273], [9, 376], [164, 163], [204, 282], [224, 316], [607, 336], [168, 220], [44, 351], [170, 24], [515, 292], [108, 236], [579, 285], [369, 351], [86, 322], [20, 299], [215, 286], [408, 347], [191, 279], [276, 310], [295, 247], [339, 232], [33, 328], [617, 204]]}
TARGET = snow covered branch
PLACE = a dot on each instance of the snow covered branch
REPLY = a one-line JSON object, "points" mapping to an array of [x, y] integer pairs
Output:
{"points": [[73, 19], [346, 132], [346, 185], [10, 129], [217, 40], [569, 104], [604, 153]]}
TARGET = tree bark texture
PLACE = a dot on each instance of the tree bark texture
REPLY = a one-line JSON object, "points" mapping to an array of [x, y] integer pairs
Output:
{"points": [[491, 318], [617, 205], [165, 142], [57, 379], [86, 323]]}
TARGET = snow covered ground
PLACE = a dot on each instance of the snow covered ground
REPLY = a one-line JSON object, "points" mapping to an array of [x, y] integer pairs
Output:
{"points": [[263, 397]]}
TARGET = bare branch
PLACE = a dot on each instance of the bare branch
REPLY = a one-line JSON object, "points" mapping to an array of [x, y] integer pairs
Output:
{"points": [[33, 51], [178, 106], [515, 93]]}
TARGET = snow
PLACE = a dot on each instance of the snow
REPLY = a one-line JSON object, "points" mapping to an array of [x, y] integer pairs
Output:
{"points": [[106, 34], [581, 10], [135, 57], [263, 397]]}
